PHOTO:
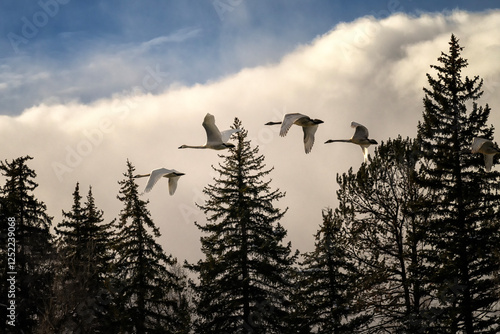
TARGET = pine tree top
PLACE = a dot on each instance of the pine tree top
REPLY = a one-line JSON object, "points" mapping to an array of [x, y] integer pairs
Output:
{"points": [[241, 182], [19, 200], [19, 176], [136, 228], [451, 117]]}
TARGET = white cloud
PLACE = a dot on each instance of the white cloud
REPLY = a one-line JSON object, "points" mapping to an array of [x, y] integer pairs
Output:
{"points": [[370, 71]]}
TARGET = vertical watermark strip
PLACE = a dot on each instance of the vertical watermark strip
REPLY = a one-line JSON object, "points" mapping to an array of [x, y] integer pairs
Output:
{"points": [[11, 271]]}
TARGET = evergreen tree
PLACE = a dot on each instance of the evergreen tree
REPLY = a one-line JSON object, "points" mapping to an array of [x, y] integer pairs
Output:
{"points": [[328, 282], [100, 238], [148, 288], [463, 228], [245, 276], [387, 236], [83, 263], [33, 246]]}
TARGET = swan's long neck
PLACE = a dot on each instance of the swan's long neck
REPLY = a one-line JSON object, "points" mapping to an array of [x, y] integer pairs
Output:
{"points": [[273, 123], [141, 175], [189, 146], [339, 140]]}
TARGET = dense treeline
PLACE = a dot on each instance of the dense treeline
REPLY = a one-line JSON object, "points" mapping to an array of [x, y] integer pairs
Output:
{"points": [[412, 247]]}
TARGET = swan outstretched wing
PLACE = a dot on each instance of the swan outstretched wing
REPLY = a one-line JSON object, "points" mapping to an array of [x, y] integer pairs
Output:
{"points": [[225, 135], [488, 161], [213, 134], [361, 131], [309, 132], [172, 184], [155, 176], [288, 121], [477, 143]]}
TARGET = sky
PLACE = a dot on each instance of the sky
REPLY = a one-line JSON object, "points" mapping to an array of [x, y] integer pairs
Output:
{"points": [[84, 86]]}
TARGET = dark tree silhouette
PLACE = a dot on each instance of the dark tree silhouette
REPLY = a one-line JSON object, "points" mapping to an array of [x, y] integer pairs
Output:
{"points": [[245, 275], [328, 282], [463, 224], [33, 251], [148, 288], [82, 266]]}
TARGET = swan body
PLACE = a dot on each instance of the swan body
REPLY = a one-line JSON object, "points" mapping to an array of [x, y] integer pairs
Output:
{"points": [[156, 174], [216, 140], [309, 126], [360, 138], [487, 148]]}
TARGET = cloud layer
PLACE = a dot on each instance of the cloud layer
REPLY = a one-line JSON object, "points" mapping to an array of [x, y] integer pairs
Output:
{"points": [[371, 71]]}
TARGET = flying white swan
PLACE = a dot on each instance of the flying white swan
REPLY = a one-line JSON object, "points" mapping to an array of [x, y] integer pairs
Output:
{"points": [[487, 148], [360, 138], [216, 140], [308, 125], [156, 174]]}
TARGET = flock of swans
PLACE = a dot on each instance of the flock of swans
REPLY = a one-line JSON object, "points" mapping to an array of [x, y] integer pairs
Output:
{"points": [[217, 140], [310, 126]]}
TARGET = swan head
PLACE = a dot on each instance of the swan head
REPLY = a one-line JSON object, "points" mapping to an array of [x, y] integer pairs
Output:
{"points": [[183, 146], [317, 121]]}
